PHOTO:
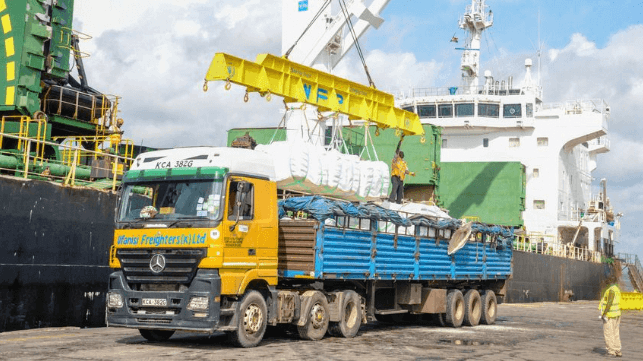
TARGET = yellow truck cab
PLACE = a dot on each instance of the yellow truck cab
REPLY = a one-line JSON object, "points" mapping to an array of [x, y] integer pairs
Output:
{"points": [[193, 224]]}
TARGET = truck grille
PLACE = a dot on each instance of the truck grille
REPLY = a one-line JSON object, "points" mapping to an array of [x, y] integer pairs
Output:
{"points": [[180, 265]]}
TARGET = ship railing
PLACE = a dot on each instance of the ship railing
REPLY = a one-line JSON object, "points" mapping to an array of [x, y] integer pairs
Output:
{"points": [[28, 165], [579, 106], [454, 90], [546, 244]]}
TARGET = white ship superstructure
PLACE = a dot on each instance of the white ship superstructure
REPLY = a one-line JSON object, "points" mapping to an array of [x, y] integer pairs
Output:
{"points": [[557, 143]]}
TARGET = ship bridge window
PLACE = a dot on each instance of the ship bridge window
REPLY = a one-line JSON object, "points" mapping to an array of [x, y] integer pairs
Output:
{"points": [[445, 111], [539, 204], [409, 109], [464, 110], [485, 142], [529, 110], [488, 110], [514, 142], [426, 111], [542, 141], [512, 111]]}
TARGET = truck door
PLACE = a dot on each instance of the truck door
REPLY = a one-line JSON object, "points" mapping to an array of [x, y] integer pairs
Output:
{"points": [[239, 233]]}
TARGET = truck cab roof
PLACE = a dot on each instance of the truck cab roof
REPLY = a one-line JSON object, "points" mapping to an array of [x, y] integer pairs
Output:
{"points": [[236, 160]]}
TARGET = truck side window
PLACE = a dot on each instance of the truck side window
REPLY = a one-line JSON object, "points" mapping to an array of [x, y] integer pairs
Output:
{"points": [[247, 206]]}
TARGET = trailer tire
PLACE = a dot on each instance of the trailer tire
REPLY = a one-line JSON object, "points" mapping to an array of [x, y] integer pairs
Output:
{"points": [[156, 335], [472, 308], [252, 320], [489, 308], [317, 320], [455, 308], [440, 319], [350, 313]]}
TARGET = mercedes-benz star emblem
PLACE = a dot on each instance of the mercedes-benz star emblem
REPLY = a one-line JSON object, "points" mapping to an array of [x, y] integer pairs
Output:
{"points": [[157, 263]]}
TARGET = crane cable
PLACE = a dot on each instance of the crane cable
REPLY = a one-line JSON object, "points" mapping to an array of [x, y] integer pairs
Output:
{"points": [[342, 4], [321, 10]]}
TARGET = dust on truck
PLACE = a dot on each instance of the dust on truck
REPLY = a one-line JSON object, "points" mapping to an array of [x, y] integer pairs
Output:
{"points": [[199, 246]]}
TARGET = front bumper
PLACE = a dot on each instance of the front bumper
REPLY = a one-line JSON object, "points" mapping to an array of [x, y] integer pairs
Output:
{"points": [[173, 316]]}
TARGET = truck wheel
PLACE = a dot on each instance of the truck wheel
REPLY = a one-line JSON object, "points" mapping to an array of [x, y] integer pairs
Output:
{"points": [[472, 308], [455, 308], [156, 335], [350, 313], [252, 320], [489, 308], [318, 318]]}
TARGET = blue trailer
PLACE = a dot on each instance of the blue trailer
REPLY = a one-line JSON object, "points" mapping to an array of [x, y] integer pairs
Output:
{"points": [[390, 267]]}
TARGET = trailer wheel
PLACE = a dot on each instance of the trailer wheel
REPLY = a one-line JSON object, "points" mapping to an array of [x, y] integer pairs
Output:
{"points": [[318, 318], [472, 308], [251, 321], [455, 308], [489, 308], [156, 335], [350, 313]]}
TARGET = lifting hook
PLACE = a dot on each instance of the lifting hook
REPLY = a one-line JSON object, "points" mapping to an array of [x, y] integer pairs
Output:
{"points": [[205, 86]]}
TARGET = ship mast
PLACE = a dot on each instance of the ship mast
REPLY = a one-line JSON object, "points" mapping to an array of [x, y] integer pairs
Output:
{"points": [[474, 21]]}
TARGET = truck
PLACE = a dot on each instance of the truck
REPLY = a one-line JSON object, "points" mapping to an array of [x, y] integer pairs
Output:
{"points": [[204, 243]]}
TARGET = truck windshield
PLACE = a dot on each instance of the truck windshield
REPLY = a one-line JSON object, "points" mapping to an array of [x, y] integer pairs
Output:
{"points": [[171, 200]]}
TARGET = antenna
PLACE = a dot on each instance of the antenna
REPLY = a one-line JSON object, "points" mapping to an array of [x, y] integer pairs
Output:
{"points": [[539, 47]]}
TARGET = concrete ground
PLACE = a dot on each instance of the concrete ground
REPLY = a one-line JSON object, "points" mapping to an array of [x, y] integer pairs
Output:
{"points": [[540, 331]]}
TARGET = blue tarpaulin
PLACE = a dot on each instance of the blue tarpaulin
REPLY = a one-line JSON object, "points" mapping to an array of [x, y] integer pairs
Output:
{"points": [[321, 209]]}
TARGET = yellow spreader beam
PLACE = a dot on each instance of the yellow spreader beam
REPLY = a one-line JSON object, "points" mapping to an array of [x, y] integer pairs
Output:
{"points": [[298, 83]]}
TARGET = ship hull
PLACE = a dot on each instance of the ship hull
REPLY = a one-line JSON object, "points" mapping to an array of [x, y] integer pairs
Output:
{"points": [[54, 258]]}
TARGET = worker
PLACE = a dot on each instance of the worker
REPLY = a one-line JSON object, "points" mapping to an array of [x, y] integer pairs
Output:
{"points": [[611, 316], [399, 170]]}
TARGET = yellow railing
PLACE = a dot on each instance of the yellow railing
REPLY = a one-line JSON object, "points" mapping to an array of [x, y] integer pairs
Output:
{"points": [[38, 168], [24, 125], [631, 301], [547, 245], [101, 145]]}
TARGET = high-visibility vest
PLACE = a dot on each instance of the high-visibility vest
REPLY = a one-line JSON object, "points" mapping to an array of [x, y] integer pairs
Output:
{"points": [[615, 310]]}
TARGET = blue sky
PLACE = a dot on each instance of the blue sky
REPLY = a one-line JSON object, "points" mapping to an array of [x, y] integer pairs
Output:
{"points": [[157, 55]]}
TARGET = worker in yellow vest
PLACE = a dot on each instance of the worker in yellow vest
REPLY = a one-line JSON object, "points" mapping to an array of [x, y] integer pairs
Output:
{"points": [[611, 315], [399, 170]]}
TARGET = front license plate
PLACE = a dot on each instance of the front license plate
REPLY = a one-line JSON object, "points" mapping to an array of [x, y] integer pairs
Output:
{"points": [[154, 302]]}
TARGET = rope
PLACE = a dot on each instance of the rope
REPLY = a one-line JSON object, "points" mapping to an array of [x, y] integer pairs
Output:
{"points": [[342, 4], [321, 10]]}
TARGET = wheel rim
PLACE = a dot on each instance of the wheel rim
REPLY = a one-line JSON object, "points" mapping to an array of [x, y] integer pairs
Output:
{"points": [[492, 309], [252, 319], [350, 314], [317, 315]]}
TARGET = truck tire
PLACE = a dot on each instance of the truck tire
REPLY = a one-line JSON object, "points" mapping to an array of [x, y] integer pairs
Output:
{"points": [[472, 308], [350, 313], [156, 335], [489, 308], [455, 308], [317, 320], [252, 320]]}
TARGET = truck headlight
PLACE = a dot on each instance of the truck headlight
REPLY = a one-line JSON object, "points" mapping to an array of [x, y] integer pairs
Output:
{"points": [[114, 300], [200, 303]]}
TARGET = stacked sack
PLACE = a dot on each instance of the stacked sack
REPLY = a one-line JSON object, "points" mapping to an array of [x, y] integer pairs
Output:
{"points": [[308, 168]]}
